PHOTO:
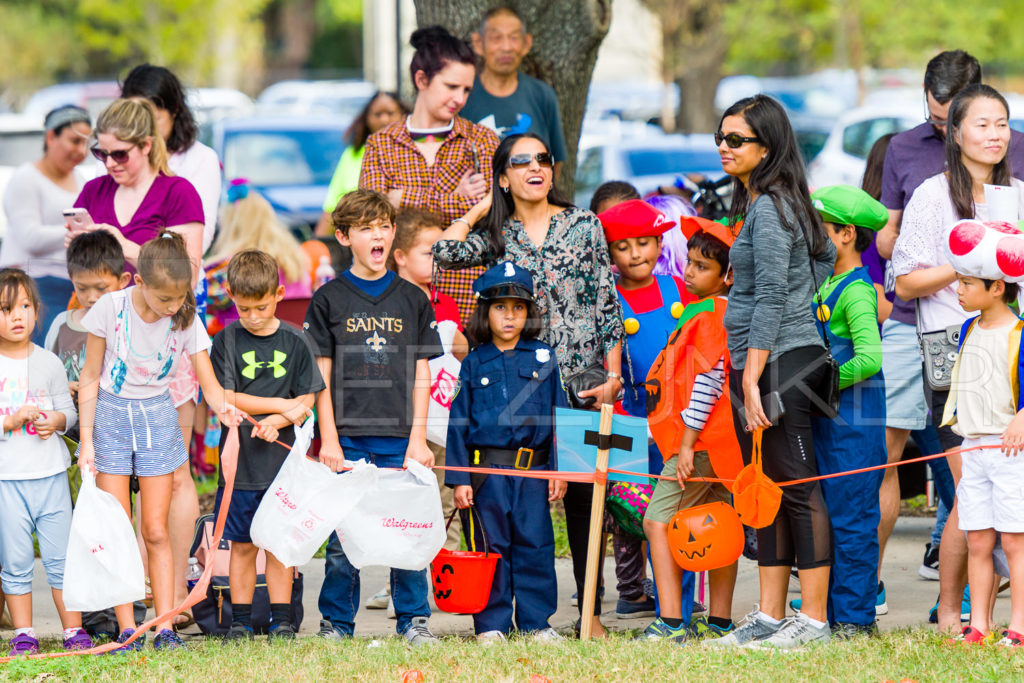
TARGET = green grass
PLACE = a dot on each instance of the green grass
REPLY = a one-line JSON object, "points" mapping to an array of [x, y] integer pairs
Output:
{"points": [[919, 655]]}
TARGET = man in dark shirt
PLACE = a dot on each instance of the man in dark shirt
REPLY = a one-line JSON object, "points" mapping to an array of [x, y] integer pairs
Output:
{"points": [[503, 98], [912, 157]]}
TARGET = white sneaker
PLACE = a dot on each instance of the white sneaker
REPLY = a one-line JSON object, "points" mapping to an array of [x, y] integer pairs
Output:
{"points": [[419, 633], [546, 635], [751, 629], [490, 638], [391, 609], [795, 633], [380, 599]]}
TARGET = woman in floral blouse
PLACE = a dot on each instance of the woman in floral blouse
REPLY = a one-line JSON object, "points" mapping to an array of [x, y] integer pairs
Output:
{"points": [[525, 221]]}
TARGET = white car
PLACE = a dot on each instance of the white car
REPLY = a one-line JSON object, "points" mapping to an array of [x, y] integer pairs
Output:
{"points": [[316, 98], [842, 159]]}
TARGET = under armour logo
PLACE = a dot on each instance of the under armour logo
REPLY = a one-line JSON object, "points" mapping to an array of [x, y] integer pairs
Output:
{"points": [[376, 342], [249, 371]]}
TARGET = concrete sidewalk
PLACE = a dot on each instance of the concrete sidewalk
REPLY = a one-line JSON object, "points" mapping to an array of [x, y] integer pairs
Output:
{"points": [[909, 596]]}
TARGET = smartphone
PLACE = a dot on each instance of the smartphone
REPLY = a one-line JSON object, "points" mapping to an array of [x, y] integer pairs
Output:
{"points": [[77, 218], [771, 404]]}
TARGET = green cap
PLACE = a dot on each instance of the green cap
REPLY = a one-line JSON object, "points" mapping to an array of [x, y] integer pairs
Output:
{"points": [[848, 205]]}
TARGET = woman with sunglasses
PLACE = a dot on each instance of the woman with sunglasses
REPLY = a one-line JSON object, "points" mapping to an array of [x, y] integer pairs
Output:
{"points": [[433, 159], [137, 198], [774, 346], [33, 201], [525, 220]]}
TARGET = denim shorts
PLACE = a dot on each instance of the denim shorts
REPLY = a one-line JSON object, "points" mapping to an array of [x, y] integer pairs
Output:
{"points": [[905, 406], [137, 436]]}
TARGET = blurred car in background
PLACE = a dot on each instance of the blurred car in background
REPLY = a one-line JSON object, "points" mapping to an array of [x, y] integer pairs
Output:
{"points": [[93, 97], [212, 104], [842, 159], [316, 98], [646, 163], [287, 159]]}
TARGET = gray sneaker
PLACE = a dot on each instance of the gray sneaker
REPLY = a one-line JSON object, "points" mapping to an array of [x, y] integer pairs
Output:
{"points": [[419, 633], [795, 633], [752, 629], [327, 631]]}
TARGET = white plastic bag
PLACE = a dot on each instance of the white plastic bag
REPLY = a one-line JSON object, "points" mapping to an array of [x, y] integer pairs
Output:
{"points": [[444, 380], [305, 502], [398, 524], [103, 566]]}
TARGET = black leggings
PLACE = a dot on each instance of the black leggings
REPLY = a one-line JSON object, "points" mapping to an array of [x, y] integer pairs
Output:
{"points": [[801, 534]]}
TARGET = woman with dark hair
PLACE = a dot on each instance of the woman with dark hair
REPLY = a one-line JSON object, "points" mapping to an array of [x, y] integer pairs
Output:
{"points": [[525, 220], [977, 142], [36, 195], [780, 255], [186, 156], [383, 109], [434, 159]]}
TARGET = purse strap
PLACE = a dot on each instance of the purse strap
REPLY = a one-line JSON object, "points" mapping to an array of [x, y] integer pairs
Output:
{"points": [[755, 455], [817, 293]]}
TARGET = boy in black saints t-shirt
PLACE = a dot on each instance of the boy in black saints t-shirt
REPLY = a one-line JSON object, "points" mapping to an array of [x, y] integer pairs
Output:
{"points": [[374, 333], [271, 367]]}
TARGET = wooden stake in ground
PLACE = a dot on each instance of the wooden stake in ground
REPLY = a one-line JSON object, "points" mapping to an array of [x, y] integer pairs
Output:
{"points": [[596, 522]]}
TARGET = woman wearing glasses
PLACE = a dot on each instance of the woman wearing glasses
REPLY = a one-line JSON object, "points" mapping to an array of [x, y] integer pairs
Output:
{"points": [[524, 220], [775, 347], [138, 197], [35, 196]]}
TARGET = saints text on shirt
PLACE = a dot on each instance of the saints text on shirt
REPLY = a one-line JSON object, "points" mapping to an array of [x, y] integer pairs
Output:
{"points": [[367, 323]]}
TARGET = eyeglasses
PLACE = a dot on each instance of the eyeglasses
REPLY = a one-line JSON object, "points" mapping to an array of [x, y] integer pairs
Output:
{"points": [[523, 160], [733, 140], [928, 118], [119, 156]]}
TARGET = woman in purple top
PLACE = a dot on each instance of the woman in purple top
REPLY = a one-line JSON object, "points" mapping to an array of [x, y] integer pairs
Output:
{"points": [[138, 197]]}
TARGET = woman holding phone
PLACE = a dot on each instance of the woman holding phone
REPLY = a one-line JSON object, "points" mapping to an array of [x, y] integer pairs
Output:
{"points": [[433, 159], [780, 255], [36, 195]]}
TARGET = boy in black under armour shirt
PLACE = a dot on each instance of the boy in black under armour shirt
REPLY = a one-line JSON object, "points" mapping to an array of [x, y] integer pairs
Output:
{"points": [[271, 367], [374, 333]]}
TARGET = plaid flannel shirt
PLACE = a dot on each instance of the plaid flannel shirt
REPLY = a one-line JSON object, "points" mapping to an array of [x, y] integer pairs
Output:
{"points": [[392, 162]]}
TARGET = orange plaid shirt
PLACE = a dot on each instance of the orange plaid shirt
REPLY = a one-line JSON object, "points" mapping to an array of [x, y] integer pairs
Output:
{"points": [[392, 162]]}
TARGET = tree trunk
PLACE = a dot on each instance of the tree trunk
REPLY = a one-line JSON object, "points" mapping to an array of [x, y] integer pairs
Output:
{"points": [[693, 51], [566, 36]]}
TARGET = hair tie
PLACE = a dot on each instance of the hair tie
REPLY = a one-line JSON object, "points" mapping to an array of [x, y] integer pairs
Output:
{"points": [[167, 236], [237, 189]]}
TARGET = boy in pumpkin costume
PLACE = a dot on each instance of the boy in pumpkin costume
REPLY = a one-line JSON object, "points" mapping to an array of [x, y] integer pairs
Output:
{"points": [[846, 310], [689, 417]]}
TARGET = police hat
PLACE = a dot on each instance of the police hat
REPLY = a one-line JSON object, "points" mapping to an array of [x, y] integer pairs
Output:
{"points": [[505, 280]]}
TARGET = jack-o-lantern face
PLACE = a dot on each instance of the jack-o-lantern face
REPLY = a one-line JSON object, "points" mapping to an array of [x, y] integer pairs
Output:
{"points": [[705, 537], [440, 593]]}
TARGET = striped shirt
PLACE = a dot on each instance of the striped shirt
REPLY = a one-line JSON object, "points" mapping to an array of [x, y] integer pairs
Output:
{"points": [[393, 162], [707, 389]]}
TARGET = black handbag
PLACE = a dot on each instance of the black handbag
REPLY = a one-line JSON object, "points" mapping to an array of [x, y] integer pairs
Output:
{"points": [[592, 376], [827, 390]]}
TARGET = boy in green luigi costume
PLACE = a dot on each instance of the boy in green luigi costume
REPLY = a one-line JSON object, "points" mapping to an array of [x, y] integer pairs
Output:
{"points": [[847, 313]]}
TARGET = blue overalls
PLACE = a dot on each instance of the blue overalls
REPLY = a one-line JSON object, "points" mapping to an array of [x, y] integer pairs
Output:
{"points": [[640, 350], [506, 400], [854, 439]]}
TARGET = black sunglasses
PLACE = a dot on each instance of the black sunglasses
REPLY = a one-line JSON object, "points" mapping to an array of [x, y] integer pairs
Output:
{"points": [[523, 160], [119, 156], [733, 140]]}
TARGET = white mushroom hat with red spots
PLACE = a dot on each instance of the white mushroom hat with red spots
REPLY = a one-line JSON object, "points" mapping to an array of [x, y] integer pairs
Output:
{"points": [[986, 249]]}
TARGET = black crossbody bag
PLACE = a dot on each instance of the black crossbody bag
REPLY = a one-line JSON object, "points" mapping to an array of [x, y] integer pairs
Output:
{"points": [[828, 388]]}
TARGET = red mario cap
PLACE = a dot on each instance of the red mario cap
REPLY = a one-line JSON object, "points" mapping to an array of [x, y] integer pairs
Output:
{"points": [[633, 218], [691, 225]]}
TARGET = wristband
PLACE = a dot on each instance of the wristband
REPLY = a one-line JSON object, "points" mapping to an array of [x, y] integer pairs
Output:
{"points": [[614, 375], [462, 220]]}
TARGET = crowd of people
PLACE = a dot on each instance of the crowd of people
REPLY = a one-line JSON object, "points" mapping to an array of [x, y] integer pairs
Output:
{"points": [[793, 326]]}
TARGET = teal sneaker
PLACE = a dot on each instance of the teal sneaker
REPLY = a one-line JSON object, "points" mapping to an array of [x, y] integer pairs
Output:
{"points": [[659, 630], [701, 629], [965, 608]]}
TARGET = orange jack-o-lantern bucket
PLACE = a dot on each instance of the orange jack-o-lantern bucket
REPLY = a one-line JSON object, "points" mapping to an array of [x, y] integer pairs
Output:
{"points": [[461, 579], [755, 496], [705, 537]]}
